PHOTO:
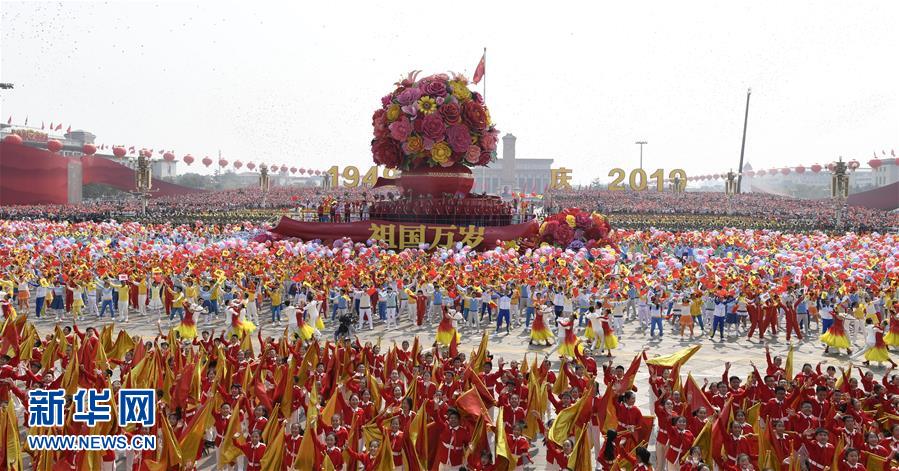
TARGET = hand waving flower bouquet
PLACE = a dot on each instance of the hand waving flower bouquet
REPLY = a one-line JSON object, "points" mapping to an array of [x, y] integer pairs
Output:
{"points": [[434, 121], [574, 229]]}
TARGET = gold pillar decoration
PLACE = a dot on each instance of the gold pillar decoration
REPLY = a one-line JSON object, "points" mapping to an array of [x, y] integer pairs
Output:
{"points": [[839, 189], [263, 182], [730, 186]]}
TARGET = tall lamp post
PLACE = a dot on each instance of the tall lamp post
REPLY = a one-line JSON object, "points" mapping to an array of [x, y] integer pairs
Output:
{"points": [[641, 143], [263, 182], [743, 145], [839, 189], [143, 180]]}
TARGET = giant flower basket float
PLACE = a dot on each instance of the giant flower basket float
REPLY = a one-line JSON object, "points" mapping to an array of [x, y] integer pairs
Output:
{"points": [[433, 129]]}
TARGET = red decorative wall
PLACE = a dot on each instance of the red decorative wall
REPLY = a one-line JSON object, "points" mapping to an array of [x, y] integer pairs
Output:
{"points": [[35, 176]]}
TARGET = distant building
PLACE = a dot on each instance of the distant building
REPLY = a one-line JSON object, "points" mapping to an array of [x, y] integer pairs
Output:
{"points": [[887, 173], [509, 174]]}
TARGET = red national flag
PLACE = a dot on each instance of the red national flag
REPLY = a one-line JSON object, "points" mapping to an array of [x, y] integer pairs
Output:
{"points": [[9, 121], [58, 126], [42, 125], [69, 128], [479, 70]]}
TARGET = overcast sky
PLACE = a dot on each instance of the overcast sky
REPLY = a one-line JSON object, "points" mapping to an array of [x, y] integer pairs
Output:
{"points": [[297, 82]]}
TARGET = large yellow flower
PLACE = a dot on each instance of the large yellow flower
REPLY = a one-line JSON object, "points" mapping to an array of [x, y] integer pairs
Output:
{"points": [[441, 152], [460, 91], [427, 105], [570, 220], [393, 112], [414, 145]]}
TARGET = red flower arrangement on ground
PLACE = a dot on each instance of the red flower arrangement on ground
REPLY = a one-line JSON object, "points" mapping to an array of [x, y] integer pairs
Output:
{"points": [[434, 121], [575, 229]]}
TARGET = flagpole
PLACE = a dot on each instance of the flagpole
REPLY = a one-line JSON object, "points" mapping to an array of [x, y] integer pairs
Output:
{"points": [[485, 75]]}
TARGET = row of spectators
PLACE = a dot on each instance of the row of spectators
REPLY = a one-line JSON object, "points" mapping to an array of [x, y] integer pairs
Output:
{"points": [[707, 210], [673, 211]]}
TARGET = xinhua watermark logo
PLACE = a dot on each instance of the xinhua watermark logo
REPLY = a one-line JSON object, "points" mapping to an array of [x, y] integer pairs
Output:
{"points": [[47, 408]]}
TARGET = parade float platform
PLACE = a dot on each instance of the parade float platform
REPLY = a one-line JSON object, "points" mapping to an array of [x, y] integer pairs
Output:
{"points": [[402, 235], [432, 130]]}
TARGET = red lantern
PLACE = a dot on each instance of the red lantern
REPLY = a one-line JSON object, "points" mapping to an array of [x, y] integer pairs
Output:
{"points": [[145, 153], [119, 151], [318, 172], [238, 164], [293, 170], [54, 146], [800, 169], [831, 166], [750, 173], [206, 161], [188, 159], [302, 171], [533, 194], [816, 168], [853, 164], [283, 168], [169, 157], [89, 149], [785, 171], [251, 166], [223, 163], [875, 163], [760, 173], [13, 139]]}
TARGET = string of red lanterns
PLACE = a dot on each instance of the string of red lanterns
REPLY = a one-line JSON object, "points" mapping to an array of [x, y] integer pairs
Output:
{"points": [[853, 164]]}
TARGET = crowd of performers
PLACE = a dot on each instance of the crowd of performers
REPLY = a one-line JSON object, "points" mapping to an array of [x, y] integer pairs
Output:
{"points": [[247, 396], [289, 402]]}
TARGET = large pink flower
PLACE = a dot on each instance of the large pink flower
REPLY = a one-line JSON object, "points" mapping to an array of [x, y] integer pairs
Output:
{"points": [[400, 129], [431, 126], [488, 140], [451, 112], [473, 156], [433, 87], [408, 96], [475, 115], [457, 137]]}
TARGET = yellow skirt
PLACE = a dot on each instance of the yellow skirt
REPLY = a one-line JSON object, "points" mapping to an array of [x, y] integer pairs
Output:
{"points": [[306, 332], [835, 341], [242, 329], [186, 331], [542, 336], [611, 341], [589, 334], [878, 354], [891, 339], [320, 324], [568, 349], [445, 337]]}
